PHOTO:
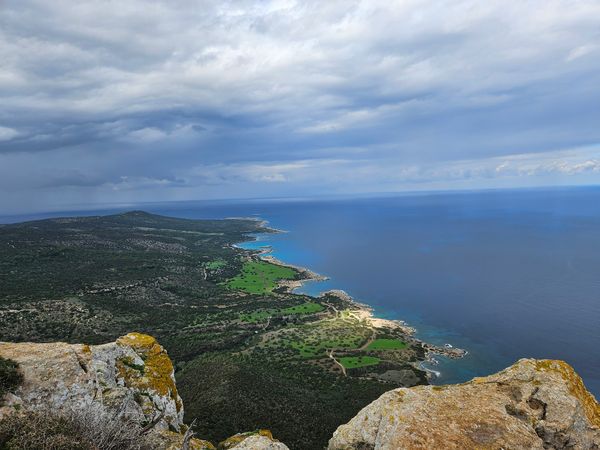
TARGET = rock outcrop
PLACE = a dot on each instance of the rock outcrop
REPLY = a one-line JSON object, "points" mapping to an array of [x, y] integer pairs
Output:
{"points": [[257, 440], [132, 378], [534, 404]]}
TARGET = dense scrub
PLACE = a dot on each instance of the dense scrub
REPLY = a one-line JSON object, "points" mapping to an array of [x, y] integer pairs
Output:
{"points": [[301, 403], [10, 377]]}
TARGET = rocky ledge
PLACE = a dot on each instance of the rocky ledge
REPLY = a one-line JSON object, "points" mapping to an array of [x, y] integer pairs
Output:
{"points": [[534, 404], [132, 378]]}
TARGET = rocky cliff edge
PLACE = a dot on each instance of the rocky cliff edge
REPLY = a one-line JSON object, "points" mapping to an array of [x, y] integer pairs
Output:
{"points": [[132, 378], [534, 404]]}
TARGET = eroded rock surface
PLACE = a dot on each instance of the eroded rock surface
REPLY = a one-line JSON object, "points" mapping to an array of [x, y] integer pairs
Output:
{"points": [[534, 404], [132, 376], [256, 440], [168, 440]]}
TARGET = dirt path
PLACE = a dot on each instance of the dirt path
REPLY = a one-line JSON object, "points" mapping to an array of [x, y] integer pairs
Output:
{"points": [[371, 339], [335, 310], [338, 363], [267, 324]]}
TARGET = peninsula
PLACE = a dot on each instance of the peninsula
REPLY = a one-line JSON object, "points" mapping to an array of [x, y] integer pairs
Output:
{"points": [[248, 352]]}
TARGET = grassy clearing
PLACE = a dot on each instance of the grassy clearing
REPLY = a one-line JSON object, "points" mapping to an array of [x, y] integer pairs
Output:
{"points": [[216, 264], [386, 344], [353, 362], [260, 277], [305, 308], [314, 340]]}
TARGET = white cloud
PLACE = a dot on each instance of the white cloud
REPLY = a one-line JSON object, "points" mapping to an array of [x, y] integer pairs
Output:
{"points": [[273, 172], [6, 134], [299, 94], [147, 135], [276, 55], [580, 52]]}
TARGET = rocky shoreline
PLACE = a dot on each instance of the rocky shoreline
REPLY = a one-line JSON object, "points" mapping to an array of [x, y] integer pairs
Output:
{"points": [[365, 312], [362, 310]]}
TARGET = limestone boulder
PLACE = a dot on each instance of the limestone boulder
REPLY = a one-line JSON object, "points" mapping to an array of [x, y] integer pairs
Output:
{"points": [[534, 404], [256, 440], [132, 377]]}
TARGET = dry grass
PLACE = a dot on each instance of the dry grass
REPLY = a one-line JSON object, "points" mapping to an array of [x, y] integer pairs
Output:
{"points": [[91, 428]]}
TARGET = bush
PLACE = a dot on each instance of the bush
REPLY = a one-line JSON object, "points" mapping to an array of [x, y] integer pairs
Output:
{"points": [[10, 377], [91, 428], [40, 430]]}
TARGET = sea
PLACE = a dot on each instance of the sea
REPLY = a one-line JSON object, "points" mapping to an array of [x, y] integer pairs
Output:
{"points": [[503, 274]]}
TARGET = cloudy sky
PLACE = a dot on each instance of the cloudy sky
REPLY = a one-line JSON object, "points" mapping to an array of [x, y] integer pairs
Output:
{"points": [[129, 101]]}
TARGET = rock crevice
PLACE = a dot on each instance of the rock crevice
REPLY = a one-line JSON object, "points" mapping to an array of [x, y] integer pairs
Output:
{"points": [[534, 404]]}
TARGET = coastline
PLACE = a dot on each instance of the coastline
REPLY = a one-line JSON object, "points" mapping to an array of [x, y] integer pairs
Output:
{"points": [[362, 311]]}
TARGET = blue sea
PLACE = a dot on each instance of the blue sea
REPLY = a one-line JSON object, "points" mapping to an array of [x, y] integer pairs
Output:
{"points": [[503, 274]]}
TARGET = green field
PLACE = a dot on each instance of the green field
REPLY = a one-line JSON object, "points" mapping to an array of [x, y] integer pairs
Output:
{"points": [[260, 277], [386, 344], [353, 362]]}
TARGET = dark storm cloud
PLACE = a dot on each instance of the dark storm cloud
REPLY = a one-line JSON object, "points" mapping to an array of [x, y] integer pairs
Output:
{"points": [[136, 100]]}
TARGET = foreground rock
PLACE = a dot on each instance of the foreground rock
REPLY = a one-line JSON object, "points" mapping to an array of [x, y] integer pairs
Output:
{"points": [[132, 378], [534, 404], [258, 440]]}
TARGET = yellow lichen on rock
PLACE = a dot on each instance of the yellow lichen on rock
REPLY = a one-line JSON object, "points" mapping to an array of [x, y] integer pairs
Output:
{"points": [[237, 439], [132, 378], [158, 368], [168, 440], [534, 404], [196, 444], [575, 386], [138, 341]]}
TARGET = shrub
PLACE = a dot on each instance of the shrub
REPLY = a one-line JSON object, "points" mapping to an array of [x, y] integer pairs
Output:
{"points": [[91, 428], [10, 377], [40, 430]]}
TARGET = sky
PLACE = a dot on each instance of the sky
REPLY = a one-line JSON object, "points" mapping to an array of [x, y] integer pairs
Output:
{"points": [[106, 102]]}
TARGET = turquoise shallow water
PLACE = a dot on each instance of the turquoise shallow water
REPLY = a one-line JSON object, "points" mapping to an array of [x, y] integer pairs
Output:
{"points": [[503, 274]]}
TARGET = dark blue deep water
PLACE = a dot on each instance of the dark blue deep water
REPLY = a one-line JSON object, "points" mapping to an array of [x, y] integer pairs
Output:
{"points": [[503, 274]]}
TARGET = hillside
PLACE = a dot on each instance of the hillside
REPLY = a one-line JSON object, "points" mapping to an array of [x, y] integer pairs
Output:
{"points": [[247, 353]]}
